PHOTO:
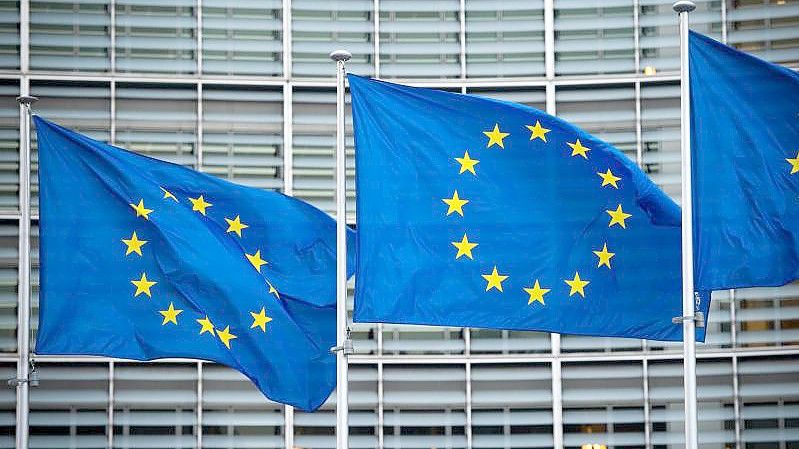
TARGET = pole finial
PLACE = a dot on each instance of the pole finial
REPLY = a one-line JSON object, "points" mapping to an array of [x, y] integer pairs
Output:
{"points": [[27, 100], [340, 55], [683, 6]]}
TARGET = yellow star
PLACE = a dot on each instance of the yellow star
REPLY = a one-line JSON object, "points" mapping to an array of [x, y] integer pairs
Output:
{"points": [[464, 247], [608, 178], [260, 319], [207, 325], [143, 286], [170, 314], [617, 217], [578, 148], [495, 136], [577, 285], [455, 204], [235, 225], [199, 204], [225, 336], [537, 131], [467, 163], [273, 290], [794, 163], [141, 211], [604, 256], [536, 293], [494, 280], [255, 260], [168, 194], [134, 244]]}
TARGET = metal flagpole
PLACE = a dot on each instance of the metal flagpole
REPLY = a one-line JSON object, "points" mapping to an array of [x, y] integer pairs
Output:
{"points": [[24, 375], [688, 309], [343, 342]]}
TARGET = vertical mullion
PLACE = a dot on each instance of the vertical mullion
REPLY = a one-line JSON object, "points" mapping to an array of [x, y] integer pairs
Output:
{"points": [[735, 383], [636, 37], [112, 52], [113, 111], [288, 141], [468, 403], [647, 417], [198, 148], [199, 410], [24, 36], [557, 388], [462, 35], [549, 40], [639, 144], [198, 33], [380, 404], [287, 39], [288, 426], [724, 22], [376, 38], [288, 164], [110, 436]]}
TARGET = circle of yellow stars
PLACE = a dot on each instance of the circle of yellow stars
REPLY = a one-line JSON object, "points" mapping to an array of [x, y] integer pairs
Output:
{"points": [[617, 217], [134, 246]]}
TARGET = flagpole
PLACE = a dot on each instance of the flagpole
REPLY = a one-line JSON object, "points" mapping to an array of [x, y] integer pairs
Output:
{"points": [[688, 309], [343, 344], [24, 377]]}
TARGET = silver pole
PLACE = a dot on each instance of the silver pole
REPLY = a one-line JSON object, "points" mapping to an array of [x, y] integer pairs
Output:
{"points": [[344, 346], [688, 309], [24, 306]]}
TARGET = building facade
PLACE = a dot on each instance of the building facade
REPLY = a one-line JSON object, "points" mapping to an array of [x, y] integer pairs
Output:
{"points": [[243, 89]]}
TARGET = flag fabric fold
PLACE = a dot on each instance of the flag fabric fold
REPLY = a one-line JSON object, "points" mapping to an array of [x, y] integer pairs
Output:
{"points": [[143, 259], [484, 213], [745, 144]]}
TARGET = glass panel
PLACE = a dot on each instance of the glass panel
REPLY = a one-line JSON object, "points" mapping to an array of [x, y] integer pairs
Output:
{"points": [[69, 408], [8, 407], [659, 32], [155, 405], [72, 36], [419, 39], [512, 405], [83, 107], [9, 261], [767, 316], [160, 121], [504, 38], [768, 29], [318, 28], [243, 37], [243, 135], [236, 414], [314, 143], [603, 403], [9, 145], [411, 419], [590, 39], [156, 36], [363, 406], [9, 34], [769, 389]]}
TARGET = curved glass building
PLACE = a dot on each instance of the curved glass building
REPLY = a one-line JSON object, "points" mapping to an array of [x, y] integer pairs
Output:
{"points": [[244, 90]]}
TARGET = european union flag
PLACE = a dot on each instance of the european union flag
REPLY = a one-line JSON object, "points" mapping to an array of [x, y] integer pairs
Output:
{"points": [[143, 259], [483, 213], [745, 141]]}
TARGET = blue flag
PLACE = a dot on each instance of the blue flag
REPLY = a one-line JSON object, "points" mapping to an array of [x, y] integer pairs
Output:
{"points": [[483, 213], [143, 259], [745, 142]]}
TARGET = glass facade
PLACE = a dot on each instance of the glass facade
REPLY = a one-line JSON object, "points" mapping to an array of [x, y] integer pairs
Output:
{"points": [[244, 90]]}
